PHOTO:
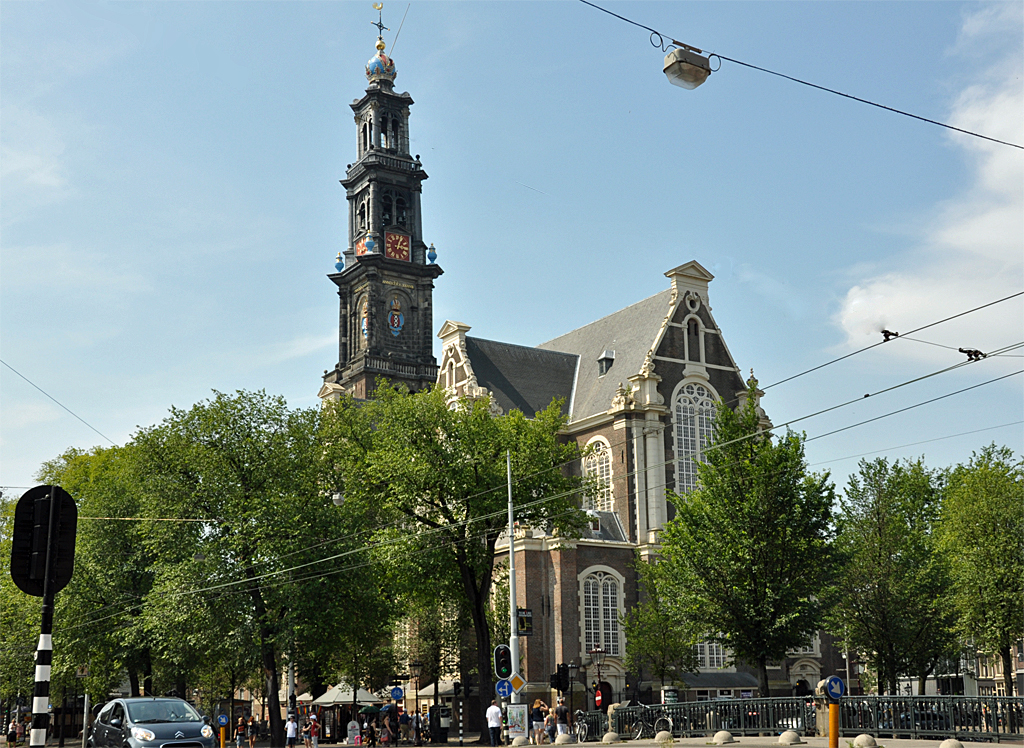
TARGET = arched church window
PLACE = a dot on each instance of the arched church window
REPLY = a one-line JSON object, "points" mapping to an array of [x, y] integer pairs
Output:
{"points": [[395, 130], [362, 216], [401, 212], [598, 465], [387, 205], [366, 136], [695, 427], [384, 132], [601, 607]]}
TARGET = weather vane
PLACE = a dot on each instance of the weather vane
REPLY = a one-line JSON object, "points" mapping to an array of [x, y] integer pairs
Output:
{"points": [[381, 28]]}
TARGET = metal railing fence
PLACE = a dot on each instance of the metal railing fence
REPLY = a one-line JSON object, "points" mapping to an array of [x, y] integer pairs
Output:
{"points": [[976, 718]]}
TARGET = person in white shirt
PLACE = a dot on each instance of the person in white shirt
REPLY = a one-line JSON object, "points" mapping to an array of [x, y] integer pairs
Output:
{"points": [[494, 723], [291, 730]]}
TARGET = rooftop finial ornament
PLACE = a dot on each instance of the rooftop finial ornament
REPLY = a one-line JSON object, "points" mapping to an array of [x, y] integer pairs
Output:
{"points": [[380, 67]]}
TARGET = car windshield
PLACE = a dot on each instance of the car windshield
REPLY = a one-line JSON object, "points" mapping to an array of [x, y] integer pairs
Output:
{"points": [[162, 711]]}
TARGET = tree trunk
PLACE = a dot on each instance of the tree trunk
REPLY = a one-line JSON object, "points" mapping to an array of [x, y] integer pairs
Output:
{"points": [[268, 661], [477, 598], [762, 677], [147, 673], [133, 681], [1008, 669]]}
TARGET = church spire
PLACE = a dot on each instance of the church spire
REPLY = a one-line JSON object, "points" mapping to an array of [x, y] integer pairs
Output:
{"points": [[385, 275]]}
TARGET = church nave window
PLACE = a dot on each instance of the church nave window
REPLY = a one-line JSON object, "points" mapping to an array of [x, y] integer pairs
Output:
{"points": [[601, 605], [598, 465], [694, 427]]}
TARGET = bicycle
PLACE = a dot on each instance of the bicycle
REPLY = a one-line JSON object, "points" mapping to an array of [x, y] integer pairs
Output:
{"points": [[651, 720], [580, 727]]}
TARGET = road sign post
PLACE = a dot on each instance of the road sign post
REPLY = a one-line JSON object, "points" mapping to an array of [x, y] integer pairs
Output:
{"points": [[42, 562]]}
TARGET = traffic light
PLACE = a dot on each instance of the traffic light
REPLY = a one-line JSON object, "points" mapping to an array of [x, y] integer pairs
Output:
{"points": [[563, 677], [556, 685], [458, 689], [503, 661]]}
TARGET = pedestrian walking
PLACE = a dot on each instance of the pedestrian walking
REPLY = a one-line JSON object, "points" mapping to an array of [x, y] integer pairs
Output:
{"points": [[371, 734], [549, 725], [291, 731], [253, 729], [240, 731], [494, 723], [537, 715], [314, 731], [562, 717], [12, 732], [405, 726]]}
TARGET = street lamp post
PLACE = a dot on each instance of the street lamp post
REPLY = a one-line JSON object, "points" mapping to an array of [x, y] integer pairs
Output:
{"points": [[415, 668], [597, 656]]}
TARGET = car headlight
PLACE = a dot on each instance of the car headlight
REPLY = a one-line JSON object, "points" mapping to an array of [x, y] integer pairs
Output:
{"points": [[207, 731], [141, 733]]}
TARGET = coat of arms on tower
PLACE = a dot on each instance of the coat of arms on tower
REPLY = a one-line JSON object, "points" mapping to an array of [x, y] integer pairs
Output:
{"points": [[364, 314], [396, 320]]}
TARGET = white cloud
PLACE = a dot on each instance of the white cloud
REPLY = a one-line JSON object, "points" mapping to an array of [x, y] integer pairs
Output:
{"points": [[971, 250], [31, 159]]}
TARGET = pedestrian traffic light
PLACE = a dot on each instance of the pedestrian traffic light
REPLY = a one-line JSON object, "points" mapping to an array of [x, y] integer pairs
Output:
{"points": [[555, 683], [563, 677], [503, 661], [458, 689]]}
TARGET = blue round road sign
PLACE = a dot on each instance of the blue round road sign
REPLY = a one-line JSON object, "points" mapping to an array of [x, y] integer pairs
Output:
{"points": [[503, 688], [222, 720], [835, 687], [397, 693]]}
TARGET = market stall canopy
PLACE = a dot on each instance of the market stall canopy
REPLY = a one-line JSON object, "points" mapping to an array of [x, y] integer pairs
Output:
{"points": [[342, 694], [305, 698]]}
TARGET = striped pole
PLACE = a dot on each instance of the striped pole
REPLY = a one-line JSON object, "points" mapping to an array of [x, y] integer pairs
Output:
{"points": [[44, 652]]}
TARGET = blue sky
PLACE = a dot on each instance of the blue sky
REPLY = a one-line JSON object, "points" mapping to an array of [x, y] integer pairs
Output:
{"points": [[170, 206]]}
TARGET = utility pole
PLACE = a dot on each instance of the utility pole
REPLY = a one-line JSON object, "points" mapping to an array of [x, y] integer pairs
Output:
{"points": [[513, 634]]}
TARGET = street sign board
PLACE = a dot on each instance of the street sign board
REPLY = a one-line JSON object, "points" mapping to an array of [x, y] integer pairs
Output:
{"points": [[524, 621], [517, 724], [222, 720], [597, 697], [517, 682], [835, 687], [397, 693], [503, 688], [35, 532]]}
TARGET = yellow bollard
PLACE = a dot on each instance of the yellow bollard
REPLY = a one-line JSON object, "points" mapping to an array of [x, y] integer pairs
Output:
{"points": [[223, 736], [833, 725]]}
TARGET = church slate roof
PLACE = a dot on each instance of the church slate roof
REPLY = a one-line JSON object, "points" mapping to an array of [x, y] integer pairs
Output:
{"points": [[630, 332], [527, 379]]}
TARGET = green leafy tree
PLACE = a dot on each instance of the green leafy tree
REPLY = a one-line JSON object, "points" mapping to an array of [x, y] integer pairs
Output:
{"points": [[19, 620], [891, 602], [982, 534], [436, 471], [100, 611], [748, 554], [247, 466], [656, 641]]}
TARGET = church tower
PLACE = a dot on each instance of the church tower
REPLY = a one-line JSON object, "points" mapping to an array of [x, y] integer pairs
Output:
{"points": [[386, 275]]}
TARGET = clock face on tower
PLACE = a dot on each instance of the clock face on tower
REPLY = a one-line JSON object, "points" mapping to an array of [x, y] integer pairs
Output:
{"points": [[396, 246]]}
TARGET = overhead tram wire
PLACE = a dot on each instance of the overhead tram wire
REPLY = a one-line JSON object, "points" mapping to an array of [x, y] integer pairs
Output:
{"points": [[665, 45], [914, 444], [538, 501], [882, 342], [431, 531], [58, 402], [399, 524]]}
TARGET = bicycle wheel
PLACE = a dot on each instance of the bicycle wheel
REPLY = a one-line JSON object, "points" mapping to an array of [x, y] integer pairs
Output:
{"points": [[663, 724], [581, 732], [638, 729]]}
